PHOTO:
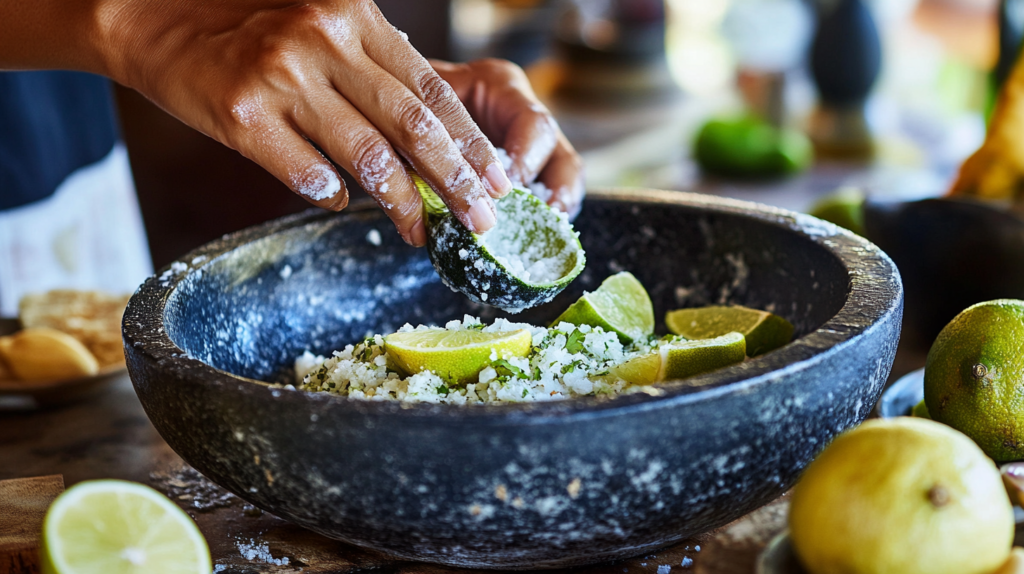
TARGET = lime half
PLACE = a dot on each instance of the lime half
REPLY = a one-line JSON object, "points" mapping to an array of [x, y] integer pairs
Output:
{"points": [[118, 527], [455, 356], [526, 259], [681, 359], [763, 330], [620, 304]]}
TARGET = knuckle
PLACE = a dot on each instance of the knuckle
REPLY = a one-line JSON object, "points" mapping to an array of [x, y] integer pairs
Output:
{"points": [[475, 144], [372, 161], [435, 92], [417, 123]]}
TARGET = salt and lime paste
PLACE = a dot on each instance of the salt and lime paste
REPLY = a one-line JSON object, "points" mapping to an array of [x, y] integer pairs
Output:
{"points": [[526, 244], [525, 260], [566, 361]]}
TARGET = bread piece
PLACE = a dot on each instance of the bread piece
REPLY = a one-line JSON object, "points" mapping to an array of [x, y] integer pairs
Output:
{"points": [[92, 317], [41, 353]]}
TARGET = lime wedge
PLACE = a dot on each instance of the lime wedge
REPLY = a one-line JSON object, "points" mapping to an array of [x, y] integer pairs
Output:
{"points": [[455, 356], [681, 359], [620, 304], [118, 527], [763, 330], [526, 259]]}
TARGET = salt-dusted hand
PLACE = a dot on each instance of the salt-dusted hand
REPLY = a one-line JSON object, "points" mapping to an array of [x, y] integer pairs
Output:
{"points": [[271, 79], [499, 97]]}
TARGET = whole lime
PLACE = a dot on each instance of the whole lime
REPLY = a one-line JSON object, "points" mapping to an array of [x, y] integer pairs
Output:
{"points": [[901, 496], [974, 377]]}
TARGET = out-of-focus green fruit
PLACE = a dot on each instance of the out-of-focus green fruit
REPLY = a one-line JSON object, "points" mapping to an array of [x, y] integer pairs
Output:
{"points": [[749, 147]]}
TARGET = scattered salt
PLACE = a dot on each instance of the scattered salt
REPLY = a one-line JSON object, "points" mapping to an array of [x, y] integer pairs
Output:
{"points": [[258, 551], [373, 236], [664, 569], [286, 272], [504, 158]]}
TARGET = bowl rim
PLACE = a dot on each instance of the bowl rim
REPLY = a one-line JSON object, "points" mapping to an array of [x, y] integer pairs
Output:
{"points": [[875, 292]]}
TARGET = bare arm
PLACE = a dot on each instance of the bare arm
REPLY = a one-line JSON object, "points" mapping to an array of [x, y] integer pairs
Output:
{"points": [[267, 77]]}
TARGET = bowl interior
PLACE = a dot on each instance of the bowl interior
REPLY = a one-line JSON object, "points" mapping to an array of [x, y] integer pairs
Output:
{"points": [[323, 281]]}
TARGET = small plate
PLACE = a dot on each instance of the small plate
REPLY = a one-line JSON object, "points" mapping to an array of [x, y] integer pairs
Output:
{"points": [[27, 395], [902, 396]]}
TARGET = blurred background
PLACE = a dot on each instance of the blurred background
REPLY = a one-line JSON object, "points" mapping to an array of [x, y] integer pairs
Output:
{"points": [[777, 101]]}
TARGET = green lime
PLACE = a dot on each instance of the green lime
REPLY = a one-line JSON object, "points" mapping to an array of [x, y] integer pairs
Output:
{"points": [[901, 496], [681, 359], [620, 304], [527, 258], [749, 147], [455, 356], [118, 527], [974, 377], [920, 410], [763, 330], [844, 207]]}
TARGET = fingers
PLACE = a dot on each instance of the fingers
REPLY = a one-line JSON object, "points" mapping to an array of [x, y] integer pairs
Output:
{"points": [[563, 175], [530, 142], [396, 56], [290, 158], [360, 149], [419, 136]]}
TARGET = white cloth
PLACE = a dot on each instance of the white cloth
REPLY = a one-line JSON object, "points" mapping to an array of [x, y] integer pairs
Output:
{"points": [[87, 235]]}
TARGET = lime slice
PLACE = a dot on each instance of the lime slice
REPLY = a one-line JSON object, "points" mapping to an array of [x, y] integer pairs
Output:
{"points": [[526, 259], [620, 304], [455, 356], [844, 207], [118, 527], [763, 330], [681, 359]]}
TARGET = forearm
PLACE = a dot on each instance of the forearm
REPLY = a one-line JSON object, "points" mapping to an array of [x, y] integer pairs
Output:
{"points": [[52, 34]]}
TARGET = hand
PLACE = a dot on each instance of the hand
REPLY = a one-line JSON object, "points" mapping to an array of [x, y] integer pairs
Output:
{"points": [[271, 78], [499, 97]]}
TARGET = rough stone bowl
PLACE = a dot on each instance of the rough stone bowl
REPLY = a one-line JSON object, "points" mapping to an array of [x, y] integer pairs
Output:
{"points": [[511, 486]]}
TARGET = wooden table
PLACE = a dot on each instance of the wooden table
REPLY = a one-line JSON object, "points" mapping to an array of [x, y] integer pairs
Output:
{"points": [[109, 436]]}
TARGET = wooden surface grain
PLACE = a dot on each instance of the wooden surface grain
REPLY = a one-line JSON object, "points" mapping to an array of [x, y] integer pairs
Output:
{"points": [[23, 504], [109, 436]]}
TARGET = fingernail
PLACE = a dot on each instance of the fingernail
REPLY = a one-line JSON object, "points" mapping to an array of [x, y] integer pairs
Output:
{"points": [[497, 179], [418, 233], [481, 215]]}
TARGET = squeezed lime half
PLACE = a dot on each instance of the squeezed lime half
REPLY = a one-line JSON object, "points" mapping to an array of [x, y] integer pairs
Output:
{"points": [[527, 258]]}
